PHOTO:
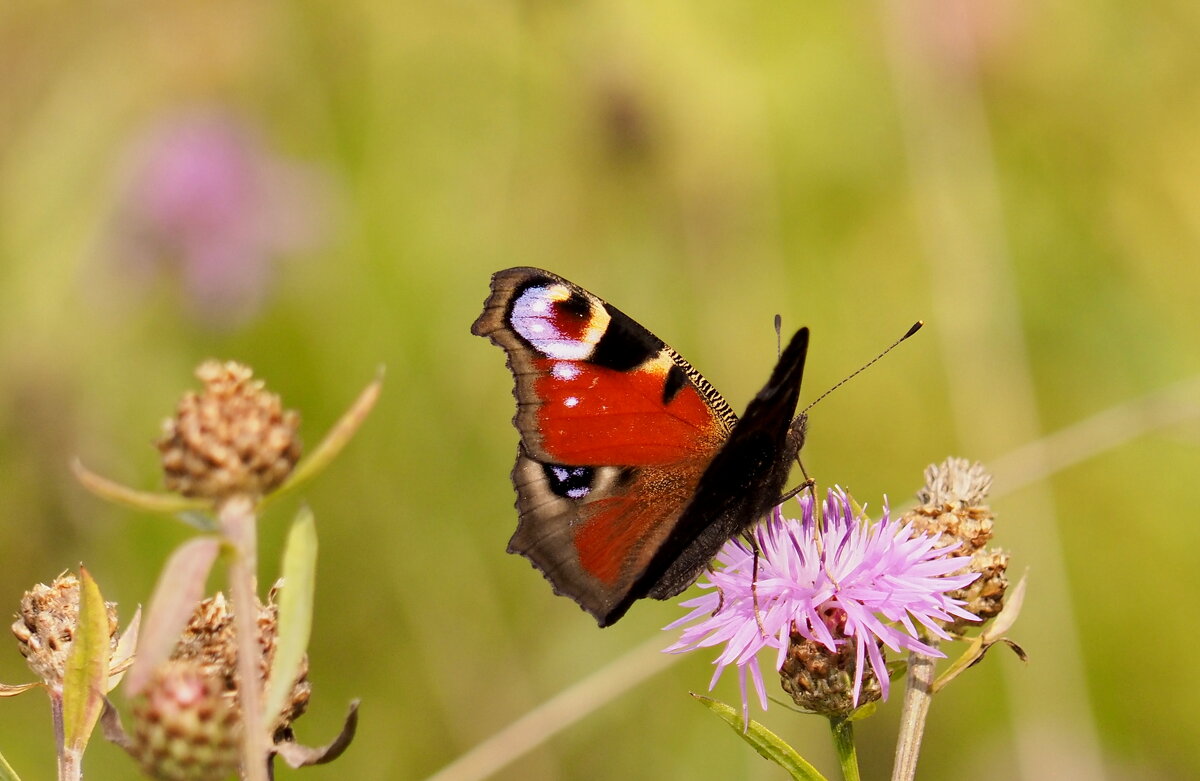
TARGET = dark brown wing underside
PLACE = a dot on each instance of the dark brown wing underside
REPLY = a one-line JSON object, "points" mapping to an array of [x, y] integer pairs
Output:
{"points": [[594, 550]]}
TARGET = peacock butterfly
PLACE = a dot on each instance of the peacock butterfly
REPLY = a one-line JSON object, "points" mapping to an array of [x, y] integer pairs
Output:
{"points": [[632, 470]]}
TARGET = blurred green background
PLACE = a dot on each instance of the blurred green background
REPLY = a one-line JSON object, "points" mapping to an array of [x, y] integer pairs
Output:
{"points": [[1025, 176]]}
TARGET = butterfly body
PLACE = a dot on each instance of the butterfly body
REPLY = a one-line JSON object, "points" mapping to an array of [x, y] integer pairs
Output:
{"points": [[632, 470]]}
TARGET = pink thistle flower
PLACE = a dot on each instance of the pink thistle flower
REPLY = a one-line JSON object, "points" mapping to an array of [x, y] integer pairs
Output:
{"points": [[206, 201], [836, 580]]}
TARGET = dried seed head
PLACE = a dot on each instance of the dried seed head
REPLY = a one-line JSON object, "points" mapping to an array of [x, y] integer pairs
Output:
{"points": [[46, 625], [952, 509], [232, 438], [951, 505], [209, 641], [186, 726], [984, 597], [955, 481], [822, 681]]}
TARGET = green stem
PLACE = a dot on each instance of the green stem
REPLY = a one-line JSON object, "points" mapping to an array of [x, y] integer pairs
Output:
{"points": [[238, 524], [843, 741]]}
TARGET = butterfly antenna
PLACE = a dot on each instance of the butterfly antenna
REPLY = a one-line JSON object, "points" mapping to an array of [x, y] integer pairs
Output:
{"points": [[778, 335], [915, 327]]}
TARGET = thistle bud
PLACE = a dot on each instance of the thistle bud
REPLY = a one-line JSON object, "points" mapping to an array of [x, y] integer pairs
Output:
{"points": [[822, 681], [186, 726]]}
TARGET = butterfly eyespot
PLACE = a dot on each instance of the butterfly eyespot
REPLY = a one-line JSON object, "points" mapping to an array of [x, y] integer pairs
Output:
{"points": [[572, 482], [557, 322]]}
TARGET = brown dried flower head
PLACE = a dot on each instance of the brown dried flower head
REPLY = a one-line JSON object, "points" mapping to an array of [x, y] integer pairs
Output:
{"points": [[951, 505], [209, 642], [952, 508], [232, 438], [185, 728], [822, 681], [45, 627]]}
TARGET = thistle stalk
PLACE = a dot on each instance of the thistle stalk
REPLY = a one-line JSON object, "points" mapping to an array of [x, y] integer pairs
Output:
{"points": [[237, 522], [68, 760], [918, 694]]}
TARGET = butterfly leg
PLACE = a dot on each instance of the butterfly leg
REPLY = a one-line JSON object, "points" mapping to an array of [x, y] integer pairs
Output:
{"points": [[749, 537], [720, 591], [807, 485]]}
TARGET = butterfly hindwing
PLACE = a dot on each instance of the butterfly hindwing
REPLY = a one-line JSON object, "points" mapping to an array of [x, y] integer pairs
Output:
{"points": [[619, 435], [592, 547]]}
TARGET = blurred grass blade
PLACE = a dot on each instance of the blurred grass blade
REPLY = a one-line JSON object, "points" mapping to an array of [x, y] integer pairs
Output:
{"points": [[6, 771], [139, 500], [122, 657], [87, 666], [295, 610], [336, 439], [180, 587], [766, 743]]}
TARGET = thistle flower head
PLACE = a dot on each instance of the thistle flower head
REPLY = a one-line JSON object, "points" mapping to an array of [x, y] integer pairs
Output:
{"points": [[209, 203], [232, 438], [837, 581], [45, 627]]}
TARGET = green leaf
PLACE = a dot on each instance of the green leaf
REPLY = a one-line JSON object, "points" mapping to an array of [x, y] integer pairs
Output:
{"points": [[975, 651], [87, 666], [295, 611], [180, 587], [335, 440], [766, 743], [863, 711], [131, 497], [6, 771]]}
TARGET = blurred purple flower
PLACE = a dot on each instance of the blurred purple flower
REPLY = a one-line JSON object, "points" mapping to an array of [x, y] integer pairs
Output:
{"points": [[207, 202], [871, 581]]}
